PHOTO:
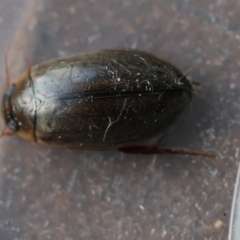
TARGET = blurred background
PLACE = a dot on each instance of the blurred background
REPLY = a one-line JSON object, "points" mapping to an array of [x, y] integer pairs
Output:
{"points": [[67, 194]]}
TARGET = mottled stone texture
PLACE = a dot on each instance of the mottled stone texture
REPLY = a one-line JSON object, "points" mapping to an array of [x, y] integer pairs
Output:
{"points": [[70, 194]]}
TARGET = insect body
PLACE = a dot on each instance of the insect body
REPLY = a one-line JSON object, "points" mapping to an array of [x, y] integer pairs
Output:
{"points": [[103, 100]]}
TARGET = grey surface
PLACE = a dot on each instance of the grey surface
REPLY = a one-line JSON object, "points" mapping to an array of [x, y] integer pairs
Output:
{"points": [[70, 194]]}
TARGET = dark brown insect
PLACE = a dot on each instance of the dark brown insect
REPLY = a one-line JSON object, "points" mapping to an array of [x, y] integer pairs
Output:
{"points": [[108, 99]]}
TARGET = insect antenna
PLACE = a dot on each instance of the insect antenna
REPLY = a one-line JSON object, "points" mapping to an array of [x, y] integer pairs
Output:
{"points": [[6, 131]]}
